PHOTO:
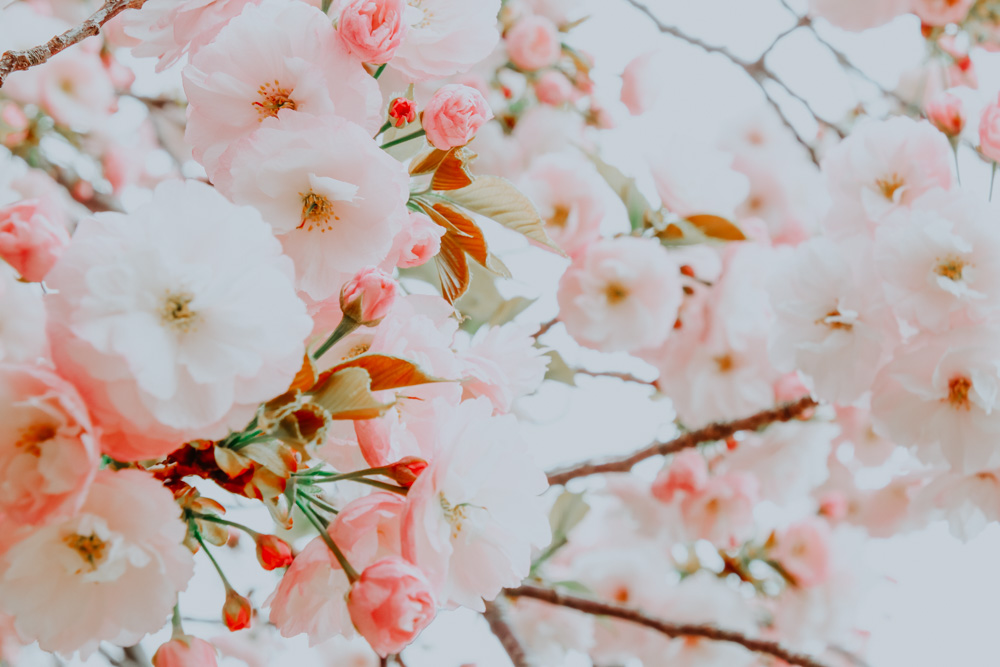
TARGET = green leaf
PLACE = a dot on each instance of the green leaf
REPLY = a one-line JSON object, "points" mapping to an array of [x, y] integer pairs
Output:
{"points": [[627, 190], [559, 370]]}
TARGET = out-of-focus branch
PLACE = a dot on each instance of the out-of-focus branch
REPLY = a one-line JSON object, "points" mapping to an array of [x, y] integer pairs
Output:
{"points": [[13, 61], [710, 433], [624, 377], [496, 616], [543, 328], [710, 632]]}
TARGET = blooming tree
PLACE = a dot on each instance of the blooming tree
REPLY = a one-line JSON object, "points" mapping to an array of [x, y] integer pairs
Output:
{"points": [[281, 290]]}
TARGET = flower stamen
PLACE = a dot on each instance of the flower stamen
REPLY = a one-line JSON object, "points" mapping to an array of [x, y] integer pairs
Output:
{"points": [[91, 549], [317, 212], [274, 98]]}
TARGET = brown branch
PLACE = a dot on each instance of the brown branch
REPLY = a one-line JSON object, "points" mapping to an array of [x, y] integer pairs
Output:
{"points": [[624, 377], [544, 327], [496, 616], [711, 632], [710, 433], [13, 61]]}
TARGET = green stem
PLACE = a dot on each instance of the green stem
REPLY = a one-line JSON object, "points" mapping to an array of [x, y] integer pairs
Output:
{"points": [[352, 574], [204, 547], [326, 6], [550, 551], [322, 504], [175, 622], [384, 127], [379, 71], [993, 177], [323, 477], [382, 485], [346, 326], [225, 522], [415, 135]]}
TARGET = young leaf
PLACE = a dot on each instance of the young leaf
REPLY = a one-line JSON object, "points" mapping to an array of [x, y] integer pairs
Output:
{"points": [[625, 187], [453, 172], [387, 372], [453, 268], [717, 227], [471, 239], [347, 394]]}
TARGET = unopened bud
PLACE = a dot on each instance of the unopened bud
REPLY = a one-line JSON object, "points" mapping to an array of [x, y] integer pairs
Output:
{"points": [[236, 611], [946, 113], [185, 651], [368, 296], [273, 552], [402, 111], [406, 470]]}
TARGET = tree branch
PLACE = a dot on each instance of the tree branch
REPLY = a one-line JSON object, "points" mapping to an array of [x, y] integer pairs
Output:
{"points": [[713, 633], [13, 61], [710, 433], [624, 377], [496, 616]]}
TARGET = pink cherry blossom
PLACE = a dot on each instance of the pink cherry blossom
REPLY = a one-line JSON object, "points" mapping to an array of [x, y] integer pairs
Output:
{"points": [[687, 473], [390, 604], [942, 12], [49, 449], [640, 90], [22, 319], [803, 549], [947, 113], [409, 427], [453, 116], [533, 43], [989, 131], [185, 651], [693, 178], [418, 242], [552, 87], [621, 294], [368, 297], [722, 511], [444, 38], [334, 198], [114, 568], [31, 238], [233, 91], [372, 29], [503, 364]]}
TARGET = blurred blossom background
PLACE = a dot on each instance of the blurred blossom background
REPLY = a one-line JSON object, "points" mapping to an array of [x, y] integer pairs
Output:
{"points": [[933, 600]]}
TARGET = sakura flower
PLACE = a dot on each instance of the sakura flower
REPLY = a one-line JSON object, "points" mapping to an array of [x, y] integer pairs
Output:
{"points": [[693, 178], [473, 516], [48, 446], [22, 319], [940, 395], [185, 651], [858, 15], [445, 37], [886, 165], [640, 90], [162, 328], [418, 242], [76, 91], [109, 573], [687, 472], [503, 364], [372, 29], [620, 294], [829, 323], [32, 238], [368, 297], [533, 43], [453, 116], [803, 550], [549, 631], [552, 87], [304, 70], [390, 603], [331, 195], [722, 510], [947, 113], [942, 12], [968, 502], [937, 260], [989, 131]]}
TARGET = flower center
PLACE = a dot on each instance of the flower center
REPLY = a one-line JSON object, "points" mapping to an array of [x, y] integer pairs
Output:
{"points": [[724, 363], [889, 185], [416, 16], [615, 293], [91, 549], [176, 311], [273, 98], [357, 350], [958, 392], [34, 435], [835, 320], [456, 515], [317, 212], [560, 214], [951, 268]]}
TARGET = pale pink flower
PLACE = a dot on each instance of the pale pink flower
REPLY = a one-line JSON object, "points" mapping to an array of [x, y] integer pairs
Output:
{"points": [[408, 428], [76, 91], [705, 598], [22, 319], [940, 395], [803, 549], [722, 511], [48, 447], [942, 12], [185, 651], [549, 631], [693, 177], [474, 514], [533, 43], [390, 603], [31, 238], [111, 572], [640, 88], [969, 503], [332, 196], [453, 115], [167, 29], [552, 87], [158, 322], [947, 113], [829, 322], [418, 242], [368, 296], [10, 643], [445, 38], [936, 260], [304, 69], [858, 15], [989, 131], [687, 473], [621, 294], [368, 529], [372, 29], [503, 364], [886, 165], [570, 196], [869, 448]]}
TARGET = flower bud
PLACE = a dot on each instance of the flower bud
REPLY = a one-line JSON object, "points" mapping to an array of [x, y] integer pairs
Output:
{"points": [[946, 113], [368, 296], [553, 88], [402, 111], [406, 470], [533, 43], [185, 651], [273, 552], [30, 241], [372, 29], [390, 603], [236, 612], [454, 115], [14, 125]]}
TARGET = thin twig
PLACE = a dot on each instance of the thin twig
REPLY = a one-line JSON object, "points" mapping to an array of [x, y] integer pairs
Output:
{"points": [[543, 328], [13, 61], [710, 433], [496, 616], [624, 377], [711, 632]]}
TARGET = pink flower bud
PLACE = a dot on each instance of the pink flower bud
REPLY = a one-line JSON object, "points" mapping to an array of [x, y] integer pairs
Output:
{"points": [[989, 131], [454, 115], [533, 43], [946, 113], [14, 124], [390, 603], [553, 88], [406, 470], [418, 242], [29, 241], [372, 29], [273, 552], [402, 111], [236, 612], [185, 651], [368, 296]]}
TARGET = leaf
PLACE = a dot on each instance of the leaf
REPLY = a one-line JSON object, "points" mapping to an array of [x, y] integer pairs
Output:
{"points": [[483, 303], [453, 172], [627, 190], [471, 239], [230, 462], [717, 227], [306, 377], [347, 394], [453, 269], [497, 199], [266, 454], [388, 372], [427, 161], [559, 370], [568, 511], [672, 232]]}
